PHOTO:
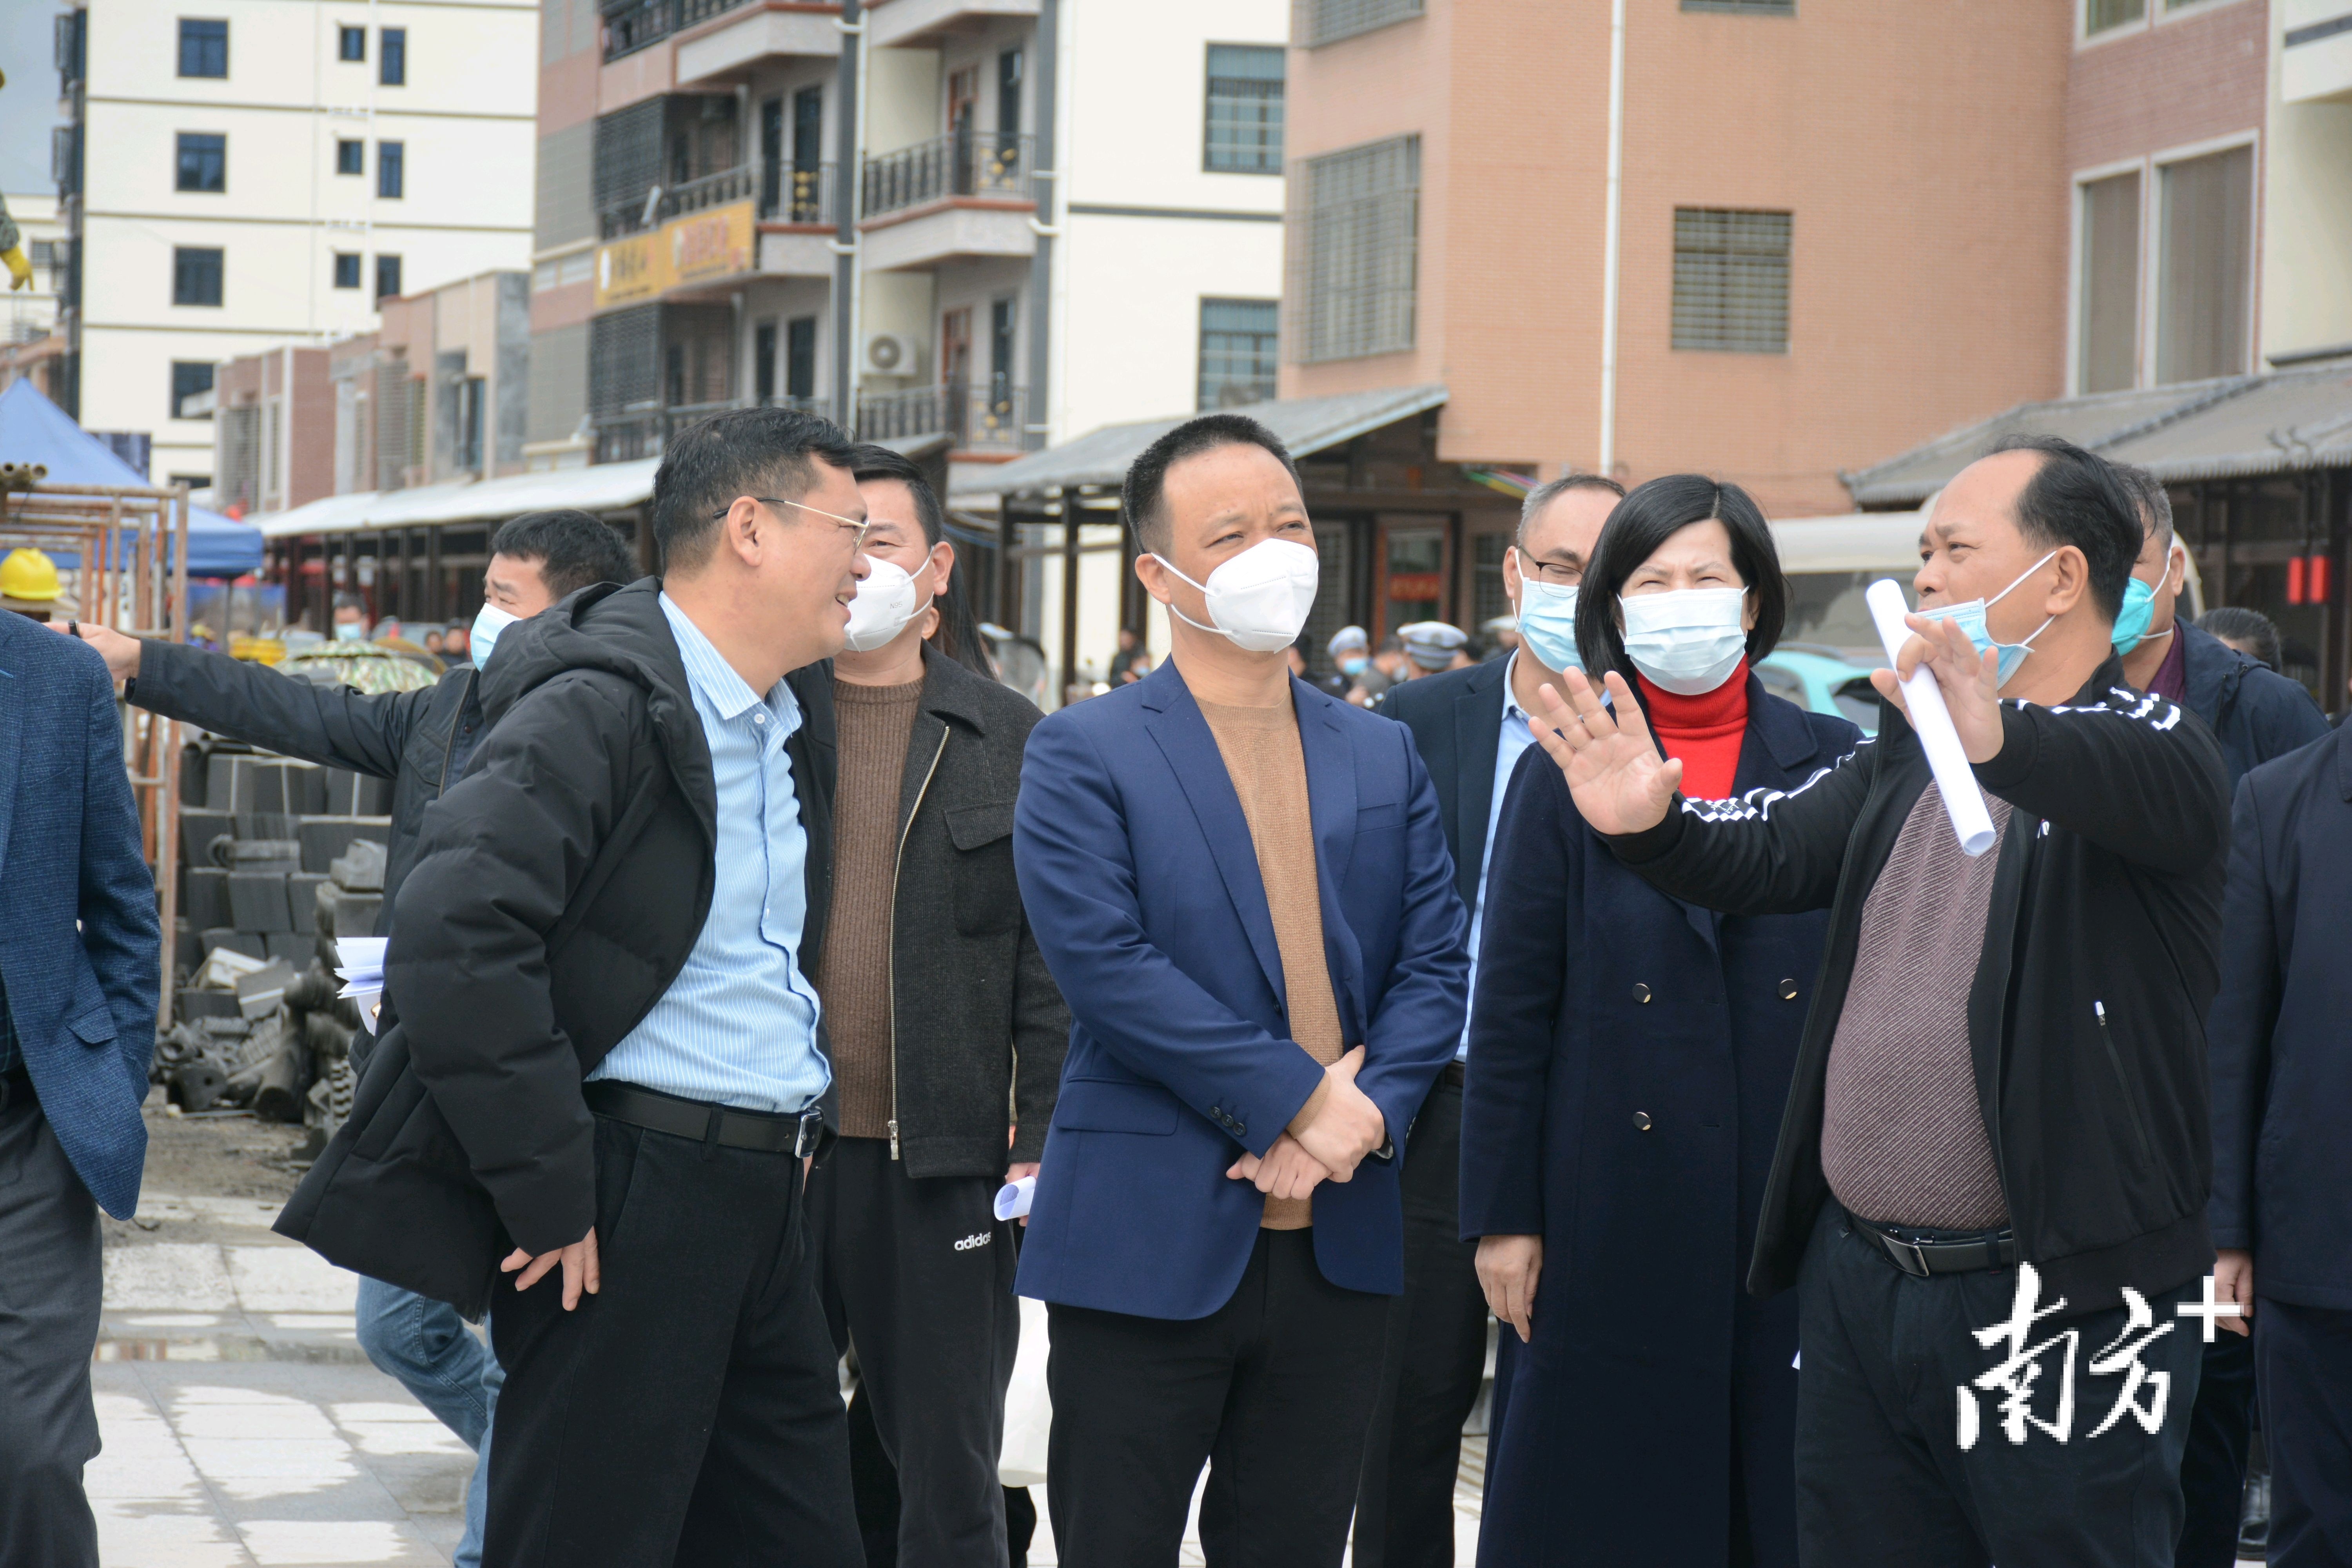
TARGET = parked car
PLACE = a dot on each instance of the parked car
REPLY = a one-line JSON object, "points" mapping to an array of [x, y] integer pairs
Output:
{"points": [[1822, 680]]}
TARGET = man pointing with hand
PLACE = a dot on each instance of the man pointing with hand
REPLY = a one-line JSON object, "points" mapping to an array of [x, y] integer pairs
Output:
{"points": [[2004, 1062]]}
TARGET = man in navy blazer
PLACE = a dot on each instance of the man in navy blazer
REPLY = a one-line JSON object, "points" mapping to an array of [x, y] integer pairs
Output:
{"points": [[2282, 1203], [1243, 889], [80, 967]]}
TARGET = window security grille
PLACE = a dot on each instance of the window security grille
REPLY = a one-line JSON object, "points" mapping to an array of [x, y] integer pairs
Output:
{"points": [[393, 414], [1237, 352], [1731, 280], [1745, 7], [1244, 113], [624, 361], [1316, 22], [1355, 221]]}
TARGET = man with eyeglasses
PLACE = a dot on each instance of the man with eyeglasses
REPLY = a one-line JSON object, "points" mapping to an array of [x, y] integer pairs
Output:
{"points": [[1470, 726], [599, 1079]]}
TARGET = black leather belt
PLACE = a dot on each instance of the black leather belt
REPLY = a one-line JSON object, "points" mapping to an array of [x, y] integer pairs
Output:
{"points": [[1455, 1074], [1921, 1259], [788, 1132]]}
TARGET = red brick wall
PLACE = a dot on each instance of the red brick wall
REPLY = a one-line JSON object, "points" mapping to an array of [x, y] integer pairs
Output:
{"points": [[2143, 89]]}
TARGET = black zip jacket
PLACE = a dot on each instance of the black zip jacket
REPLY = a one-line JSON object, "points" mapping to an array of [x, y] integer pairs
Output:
{"points": [[557, 889], [978, 1027], [2086, 1021], [419, 740]]}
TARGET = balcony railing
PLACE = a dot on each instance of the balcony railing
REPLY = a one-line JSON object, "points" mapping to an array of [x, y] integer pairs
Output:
{"points": [[960, 163], [647, 432], [793, 194], [987, 418], [736, 184]]}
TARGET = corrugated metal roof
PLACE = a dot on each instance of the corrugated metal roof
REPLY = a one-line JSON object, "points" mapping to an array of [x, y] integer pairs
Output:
{"points": [[1862, 541], [1304, 423], [604, 486], [2279, 422]]}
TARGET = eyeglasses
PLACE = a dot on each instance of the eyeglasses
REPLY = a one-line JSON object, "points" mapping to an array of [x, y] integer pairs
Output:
{"points": [[1551, 572], [857, 530]]}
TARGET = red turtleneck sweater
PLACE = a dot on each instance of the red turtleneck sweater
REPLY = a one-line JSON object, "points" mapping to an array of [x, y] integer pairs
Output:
{"points": [[1702, 733]]}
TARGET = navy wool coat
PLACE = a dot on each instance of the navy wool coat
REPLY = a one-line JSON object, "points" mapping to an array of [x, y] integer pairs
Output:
{"points": [[1630, 1057]]}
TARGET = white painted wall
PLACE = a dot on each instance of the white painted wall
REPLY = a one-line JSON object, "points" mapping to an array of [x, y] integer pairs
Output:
{"points": [[2307, 294]]}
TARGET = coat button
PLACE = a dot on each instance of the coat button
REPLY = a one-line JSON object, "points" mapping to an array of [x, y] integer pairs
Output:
{"points": [[1641, 992], [1641, 1121], [1787, 991]]}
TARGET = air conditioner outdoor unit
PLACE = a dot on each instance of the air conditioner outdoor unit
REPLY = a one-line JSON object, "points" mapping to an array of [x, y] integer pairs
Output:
{"points": [[892, 353]]}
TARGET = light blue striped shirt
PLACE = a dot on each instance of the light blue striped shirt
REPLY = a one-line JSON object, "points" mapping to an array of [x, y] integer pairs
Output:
{"points": [[1517, 736], [739, 1023]]}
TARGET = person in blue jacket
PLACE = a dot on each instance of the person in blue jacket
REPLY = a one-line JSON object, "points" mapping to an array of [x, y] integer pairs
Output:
{"points": [[1629, 1057], [1241, 886]]}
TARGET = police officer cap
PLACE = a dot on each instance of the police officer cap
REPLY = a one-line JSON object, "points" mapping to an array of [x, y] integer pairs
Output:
{"points": [[1347, 637], [1431, 643]]}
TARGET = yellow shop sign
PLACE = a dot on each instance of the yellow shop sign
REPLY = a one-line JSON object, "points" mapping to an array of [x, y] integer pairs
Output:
{"points": [[696, 248]]}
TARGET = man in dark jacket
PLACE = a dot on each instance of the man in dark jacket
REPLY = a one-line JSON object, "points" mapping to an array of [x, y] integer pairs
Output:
{"points": [[2282, 1207], [2256, 714], [1997, 1135], [421, 740], [947, 1036], [603, 1050]]}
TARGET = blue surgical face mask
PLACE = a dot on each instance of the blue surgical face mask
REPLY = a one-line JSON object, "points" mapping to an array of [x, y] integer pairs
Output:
{"points": [[1353, 665], [349, 631], [1688, 640], [2139, 607], [488, 624], [1548, 621], [1971, 614]]}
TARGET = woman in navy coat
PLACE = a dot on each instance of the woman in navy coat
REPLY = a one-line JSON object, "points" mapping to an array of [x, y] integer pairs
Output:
{"points": [[1629, 1055]]}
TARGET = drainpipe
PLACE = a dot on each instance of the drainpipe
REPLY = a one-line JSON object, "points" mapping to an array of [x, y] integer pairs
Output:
{"points": [[1045, 180], [848, 154], [1609, 243]]}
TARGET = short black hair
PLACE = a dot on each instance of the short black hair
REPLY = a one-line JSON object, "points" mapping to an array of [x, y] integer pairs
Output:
{"points": [[572, 548], [1551, 490], [1648, 516], [738, 452], [2079, 498], [869, 461], [2237, 624], [1142, 496], [2148, 495]]}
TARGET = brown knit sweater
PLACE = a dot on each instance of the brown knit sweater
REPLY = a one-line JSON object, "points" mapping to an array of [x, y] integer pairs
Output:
{"points": [[1903, 1138], [874, 724], [1264, 759]]}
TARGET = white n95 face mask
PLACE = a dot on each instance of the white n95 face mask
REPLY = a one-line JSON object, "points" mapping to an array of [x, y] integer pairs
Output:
{"points": [[886, 600], [1687, 641], [489, 622], [1259, 599]]}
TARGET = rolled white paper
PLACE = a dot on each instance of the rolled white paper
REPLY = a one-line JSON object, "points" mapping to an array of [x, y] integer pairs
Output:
{"points": [[1963, 801], [1014, 1198]]}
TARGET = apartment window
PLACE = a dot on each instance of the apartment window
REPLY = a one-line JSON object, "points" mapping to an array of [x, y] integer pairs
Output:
{"points": [[392, 57], [2099, 15], [2204, 266], [189, 378], [800, 357], [195, 275], [1745, 7], [351, 43], [387, 276], [1360, 214], [1237, 352], [763, 361], [1731, 280], [2106, 349], [347, 270], [1328, 21], [202, 163], [389, 173], [1003, 317], [1245, 118], [204, 48], [351, 157]]}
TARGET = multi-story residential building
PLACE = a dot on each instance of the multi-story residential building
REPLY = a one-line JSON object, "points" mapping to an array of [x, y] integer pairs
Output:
{"points": [[29, 346], [971, 226], [264, 171]]}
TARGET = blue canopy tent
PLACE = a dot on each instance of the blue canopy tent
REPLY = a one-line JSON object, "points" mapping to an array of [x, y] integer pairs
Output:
{"points": [[34, 430]]}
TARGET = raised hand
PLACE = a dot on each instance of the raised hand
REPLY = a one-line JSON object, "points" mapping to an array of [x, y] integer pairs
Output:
{"points": [[1968, 680], [1616, 772]]}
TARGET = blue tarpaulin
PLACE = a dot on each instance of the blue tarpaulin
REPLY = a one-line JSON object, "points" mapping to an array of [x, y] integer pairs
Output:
{"points": [[34, 430]]}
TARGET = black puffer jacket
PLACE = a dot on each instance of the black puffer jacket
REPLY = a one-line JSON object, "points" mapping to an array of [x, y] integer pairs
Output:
{"points": [[557, 889], [2087, 1018]]}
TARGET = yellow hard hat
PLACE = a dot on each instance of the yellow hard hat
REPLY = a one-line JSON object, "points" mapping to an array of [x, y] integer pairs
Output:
{"points": [[30, 576]]}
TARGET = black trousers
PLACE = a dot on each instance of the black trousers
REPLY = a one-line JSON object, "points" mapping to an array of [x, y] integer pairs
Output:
{"points": [[1436, 1354], [916, 1276], [1881, 1476], [2303, 1359], [689, 1414], [2213, 1467], [1273, 1390], [49, 1289]]}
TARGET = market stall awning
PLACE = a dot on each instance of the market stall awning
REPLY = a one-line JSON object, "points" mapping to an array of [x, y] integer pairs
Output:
{"points": [[601, 487], [1304, 424], [34, 430]]}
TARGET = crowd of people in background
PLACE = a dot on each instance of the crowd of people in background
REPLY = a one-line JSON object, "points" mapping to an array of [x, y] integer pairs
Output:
{"points": [[775, 1000]]}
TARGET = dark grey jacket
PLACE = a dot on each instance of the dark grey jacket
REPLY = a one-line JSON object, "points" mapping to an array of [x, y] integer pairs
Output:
{"points": [[419, 740], [2255, 712], [979, 1027]]}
